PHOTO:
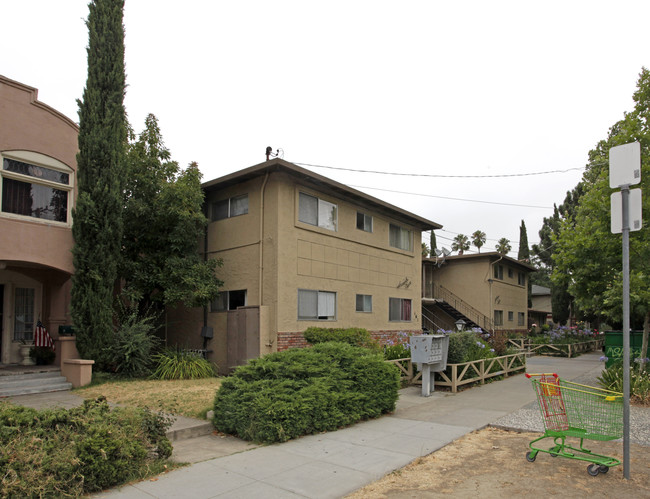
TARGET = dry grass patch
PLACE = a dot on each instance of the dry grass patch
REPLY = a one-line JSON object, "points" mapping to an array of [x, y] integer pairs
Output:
{"points": [[191, 397]]}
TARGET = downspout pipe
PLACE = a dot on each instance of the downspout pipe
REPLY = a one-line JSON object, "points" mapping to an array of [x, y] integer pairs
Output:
{"points": [[261, 262]]}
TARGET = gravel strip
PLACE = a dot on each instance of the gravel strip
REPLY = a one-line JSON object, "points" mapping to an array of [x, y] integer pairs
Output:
{"points": [[529, 418]]}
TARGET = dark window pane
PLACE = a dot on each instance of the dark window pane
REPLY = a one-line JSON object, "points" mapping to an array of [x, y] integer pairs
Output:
{"points": [[34, 200], [11, 165], [237, 299], [308, 209], [220, 210]]}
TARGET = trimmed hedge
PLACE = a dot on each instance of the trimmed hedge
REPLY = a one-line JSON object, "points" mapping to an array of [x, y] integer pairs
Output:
{"points": [[65, 453], [356, 336], [301, 391]]}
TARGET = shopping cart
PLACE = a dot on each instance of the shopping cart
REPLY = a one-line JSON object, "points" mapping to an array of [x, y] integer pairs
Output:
{"points": [[580, 411]]}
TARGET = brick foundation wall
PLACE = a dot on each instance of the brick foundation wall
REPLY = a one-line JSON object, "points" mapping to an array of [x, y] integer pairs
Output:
{"points": [[296, 339]]}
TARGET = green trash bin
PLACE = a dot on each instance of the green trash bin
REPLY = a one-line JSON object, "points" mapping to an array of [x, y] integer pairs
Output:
{"points": [[614, 346]]}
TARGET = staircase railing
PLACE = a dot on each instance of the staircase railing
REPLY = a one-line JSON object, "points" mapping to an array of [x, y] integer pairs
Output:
{"points": [[442, 293], [429, 321]]}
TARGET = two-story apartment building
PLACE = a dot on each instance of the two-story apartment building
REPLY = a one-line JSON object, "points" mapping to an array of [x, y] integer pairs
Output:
{"points": [[486, 290], [38, 147], [301, 250]]}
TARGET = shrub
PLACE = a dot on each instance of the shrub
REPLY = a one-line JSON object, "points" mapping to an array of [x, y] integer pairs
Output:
{"points": [[355, 336], [181, 364], [466, 346], [612, 379], [42, 355], [134, 343], [59, 452], [300, 391]]}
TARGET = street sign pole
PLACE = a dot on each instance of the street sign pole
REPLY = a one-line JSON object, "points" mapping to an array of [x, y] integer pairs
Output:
{"points": [[625, 198]]}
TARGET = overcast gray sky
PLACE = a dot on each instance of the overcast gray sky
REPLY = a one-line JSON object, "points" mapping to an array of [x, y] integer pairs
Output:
{"points": [[412, 87]]}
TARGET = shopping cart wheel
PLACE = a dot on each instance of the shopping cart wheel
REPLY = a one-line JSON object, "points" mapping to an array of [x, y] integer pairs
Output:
{"points": [[593, 469], [531, 456], [603, 468]]}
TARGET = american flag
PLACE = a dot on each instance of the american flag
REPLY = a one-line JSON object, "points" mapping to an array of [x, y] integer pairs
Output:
{"points": [[41, 337]]}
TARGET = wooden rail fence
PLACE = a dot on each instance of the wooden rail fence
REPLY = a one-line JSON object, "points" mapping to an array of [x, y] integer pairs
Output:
{"points": [[568, 349], [468, 372]]}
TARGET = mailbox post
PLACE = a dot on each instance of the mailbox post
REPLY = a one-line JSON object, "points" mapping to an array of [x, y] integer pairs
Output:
{"points": [[430, 351]]}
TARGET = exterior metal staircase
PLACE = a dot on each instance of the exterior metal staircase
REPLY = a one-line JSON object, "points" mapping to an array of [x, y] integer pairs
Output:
{"points": [[22, 382], [455, 307]]}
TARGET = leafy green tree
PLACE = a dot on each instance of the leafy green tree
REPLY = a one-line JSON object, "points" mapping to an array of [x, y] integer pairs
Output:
{"points": [[503, 246], [163, 225], [460, 244], [425, 250], [97, 227], [478, 239], [588, 256]]}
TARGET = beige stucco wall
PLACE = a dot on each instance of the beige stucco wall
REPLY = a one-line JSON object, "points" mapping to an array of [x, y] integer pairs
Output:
{"points": [[35, 253]]}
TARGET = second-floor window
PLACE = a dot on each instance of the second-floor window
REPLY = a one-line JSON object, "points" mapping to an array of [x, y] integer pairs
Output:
{"points": [[35, 191], [230, 207], [318, 212], [521, 279], [364, 222], [498, 272], [399, 237]]}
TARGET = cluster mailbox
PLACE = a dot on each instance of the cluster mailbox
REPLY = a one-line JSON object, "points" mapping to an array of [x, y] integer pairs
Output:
{"points": [[431, 351]]}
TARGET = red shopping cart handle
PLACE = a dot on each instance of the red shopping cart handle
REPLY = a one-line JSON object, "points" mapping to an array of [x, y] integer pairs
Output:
{"points": [[530, 375]]}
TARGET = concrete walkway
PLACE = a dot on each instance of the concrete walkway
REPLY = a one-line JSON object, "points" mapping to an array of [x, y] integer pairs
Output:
{"points": [[331, 465]]}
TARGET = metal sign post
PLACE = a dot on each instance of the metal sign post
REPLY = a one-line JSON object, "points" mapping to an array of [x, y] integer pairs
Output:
{"points": [[625, 170]]}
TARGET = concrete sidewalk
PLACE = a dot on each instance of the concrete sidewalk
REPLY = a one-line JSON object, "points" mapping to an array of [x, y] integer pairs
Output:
{"points": [[334, 464]]}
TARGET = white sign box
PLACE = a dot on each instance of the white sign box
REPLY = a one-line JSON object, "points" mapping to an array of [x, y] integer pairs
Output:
{"points": [[625, 165], [635, 219]]}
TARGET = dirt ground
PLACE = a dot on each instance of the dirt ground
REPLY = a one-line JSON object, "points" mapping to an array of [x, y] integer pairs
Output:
{"points": [[492, 463]]}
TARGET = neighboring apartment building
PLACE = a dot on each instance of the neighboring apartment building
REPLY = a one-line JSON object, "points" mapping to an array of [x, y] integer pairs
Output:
{"points": [[302, 250], [541, 310], [38, 147], [486, 290]]}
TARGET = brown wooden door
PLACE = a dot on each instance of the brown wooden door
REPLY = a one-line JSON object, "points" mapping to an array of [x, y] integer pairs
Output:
{"points": [[243, 335]]}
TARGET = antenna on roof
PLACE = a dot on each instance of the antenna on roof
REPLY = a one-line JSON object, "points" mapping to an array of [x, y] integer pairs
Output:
{"points": [[444, 253], [279, 153]]}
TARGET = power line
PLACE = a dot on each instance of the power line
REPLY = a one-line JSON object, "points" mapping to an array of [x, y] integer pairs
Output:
{"points": [[431, 175], [454, 199]]}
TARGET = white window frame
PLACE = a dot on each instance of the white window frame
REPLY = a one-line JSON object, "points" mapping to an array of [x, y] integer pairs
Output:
{"points": [[323, 217], [363, 303], [400, 238], [229, 201], [38, 161], [364, 222], [323, 304]]}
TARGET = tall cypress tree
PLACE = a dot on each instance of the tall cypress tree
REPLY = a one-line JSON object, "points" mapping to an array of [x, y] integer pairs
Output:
{"points": [[97, 227], [524, 251]]}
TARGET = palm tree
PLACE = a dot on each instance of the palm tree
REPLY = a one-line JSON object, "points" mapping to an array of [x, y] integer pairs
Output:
{"points": [[460, 244], [503, 246], [478, 239]]}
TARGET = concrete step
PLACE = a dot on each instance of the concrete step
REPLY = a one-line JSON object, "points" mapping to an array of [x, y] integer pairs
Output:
{"points": [[29, 383], [185, 428]]}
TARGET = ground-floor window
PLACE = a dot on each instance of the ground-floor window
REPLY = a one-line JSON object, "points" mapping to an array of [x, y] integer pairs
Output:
{"points": [[229, 300], [364, 303], [521, 317], [316, 305], [399, 309], [24, 314], [498, 317]]}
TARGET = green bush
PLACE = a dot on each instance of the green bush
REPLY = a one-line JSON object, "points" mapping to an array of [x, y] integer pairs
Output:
{"points": [[42, 356], [355, 336], [467, 346], [181, 364], [301, 391], [612, 379], [59, 452], [133, 345]]}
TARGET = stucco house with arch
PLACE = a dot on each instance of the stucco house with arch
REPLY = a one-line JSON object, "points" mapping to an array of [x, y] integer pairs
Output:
{"points": [[38, 147]]}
